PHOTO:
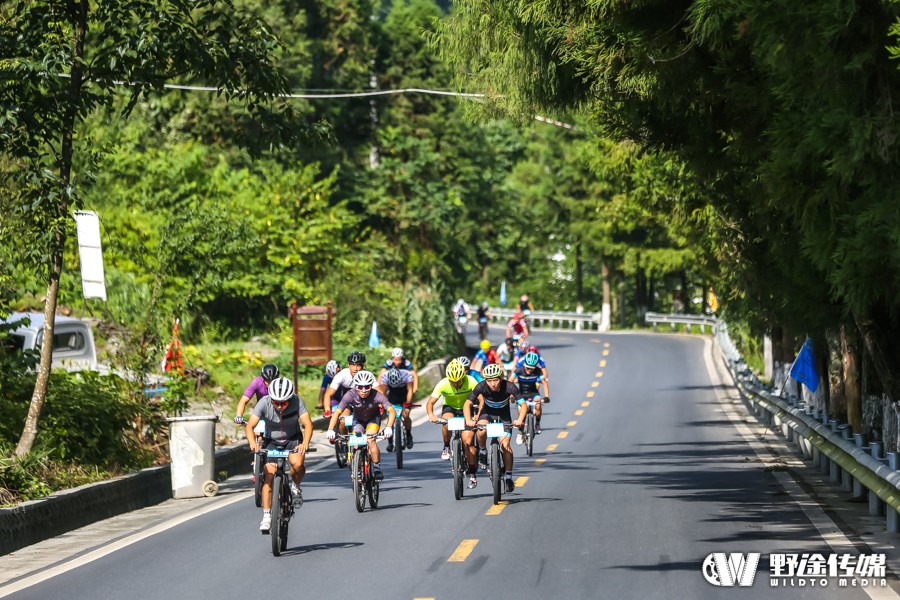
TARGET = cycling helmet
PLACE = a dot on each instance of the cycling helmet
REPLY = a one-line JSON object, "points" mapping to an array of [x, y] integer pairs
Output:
{"points": [[492, 372], [531, 359], [485, 345], [269, 372], [281, 389], [533, 349], [356, 358], [524, 298], [464, 361], [517, 315], [364, 378], [460, 301], [484, 304], [332, 367], [455, 371], [395, 378], [397, 353]]}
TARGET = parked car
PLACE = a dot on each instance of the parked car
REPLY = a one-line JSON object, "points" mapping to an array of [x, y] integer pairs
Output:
{"points": [[73, 341]]}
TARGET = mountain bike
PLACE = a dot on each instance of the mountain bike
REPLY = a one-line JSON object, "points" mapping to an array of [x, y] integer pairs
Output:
{"points": [[341, 452], [495, 430], [282, 502], [361, 471], [458, 465], [258, 461], [482, 328], [399, 440], [529, 428]]}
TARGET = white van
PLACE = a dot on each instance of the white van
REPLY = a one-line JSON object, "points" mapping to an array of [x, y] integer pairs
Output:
{"points": [[73, 342]]}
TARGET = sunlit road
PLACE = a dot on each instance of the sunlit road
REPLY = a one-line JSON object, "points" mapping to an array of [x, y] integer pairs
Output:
{"points": [[637, 476]]}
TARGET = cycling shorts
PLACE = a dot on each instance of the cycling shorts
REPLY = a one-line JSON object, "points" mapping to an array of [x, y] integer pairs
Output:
{"points": [[272, 445], [453, 412], [371, 427]]}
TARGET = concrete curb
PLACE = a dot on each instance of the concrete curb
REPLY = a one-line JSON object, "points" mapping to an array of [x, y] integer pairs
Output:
{"points": [[32, 522]]}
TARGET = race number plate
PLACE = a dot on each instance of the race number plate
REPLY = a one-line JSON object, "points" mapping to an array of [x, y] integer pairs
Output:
{"points": [[278, 453], [495, 430], [357, 440], [456, 424]]}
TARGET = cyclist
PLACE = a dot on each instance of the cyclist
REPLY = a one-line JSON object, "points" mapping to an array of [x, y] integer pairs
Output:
{"points": [[525, 305], [397, 385], [461, 308], [484, 317], [365, 404], [517, 326], [258, 387], [454, 388], [343, 382], [529, 378], [397, 361], [284, 413], [542, 364], [485, 356], [493, 396], [331, 369]]}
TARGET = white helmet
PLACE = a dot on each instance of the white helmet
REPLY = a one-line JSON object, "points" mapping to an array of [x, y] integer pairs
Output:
{"points": [[364, 378], [332, 367], [281, 389], [460, 301], [395, 378], [397, 352], [464, 361]]}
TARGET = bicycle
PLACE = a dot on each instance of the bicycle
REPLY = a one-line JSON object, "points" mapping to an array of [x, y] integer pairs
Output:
{"points": [[496, 429], [482, 328], [258, 475], [400, 434], [458, 465], [282, 502], [529, 428], [361, 471]]}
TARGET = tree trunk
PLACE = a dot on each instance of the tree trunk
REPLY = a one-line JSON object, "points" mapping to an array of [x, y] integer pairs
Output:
{"points": [[640, 296], [704, 298], [852, 391], [579, 276], [884, 360], [606, 307], [834, 375], [685, 294], [29, 432]]}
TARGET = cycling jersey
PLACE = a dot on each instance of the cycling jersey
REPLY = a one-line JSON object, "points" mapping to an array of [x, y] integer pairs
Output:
{"points": [[258, 387], [487, 358], [529, 383], [364, 410], [341, 384], [326, 381], [281, 426], [406, 365], [397, 395], [517, 325], [495, 403], [482, 313], [454, 397]]}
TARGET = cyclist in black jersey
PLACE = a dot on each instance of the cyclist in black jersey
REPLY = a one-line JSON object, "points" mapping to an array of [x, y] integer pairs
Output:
{"points": [[529, 378]]}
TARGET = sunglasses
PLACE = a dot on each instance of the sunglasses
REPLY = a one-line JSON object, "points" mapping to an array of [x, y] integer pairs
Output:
{"points": [[363, 388], [280, 404]]}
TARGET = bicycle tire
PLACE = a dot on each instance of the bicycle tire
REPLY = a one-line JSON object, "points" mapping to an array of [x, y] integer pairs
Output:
{"points": [[495, 471], [373, 486], [340, 453], [287, 511], [529, 433], [275, 528], [260, 477], [457, 466], [398, 442], [359, 484]]}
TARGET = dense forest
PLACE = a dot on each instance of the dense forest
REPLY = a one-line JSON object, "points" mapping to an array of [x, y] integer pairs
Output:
{"points": [[726, 146]]}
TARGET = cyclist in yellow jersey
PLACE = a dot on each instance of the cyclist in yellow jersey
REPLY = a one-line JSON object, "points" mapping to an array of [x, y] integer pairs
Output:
{"points": [[455, 388]]}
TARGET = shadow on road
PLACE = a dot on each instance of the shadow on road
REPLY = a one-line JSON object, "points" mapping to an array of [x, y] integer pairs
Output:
{"points": [[318, 547]]}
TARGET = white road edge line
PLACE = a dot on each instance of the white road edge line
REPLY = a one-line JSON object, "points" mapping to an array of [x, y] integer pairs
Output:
{"points": [[829, 531], [99, 553]]}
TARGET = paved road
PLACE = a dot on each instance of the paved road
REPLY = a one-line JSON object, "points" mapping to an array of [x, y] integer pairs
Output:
{"points": [[639, 474]]}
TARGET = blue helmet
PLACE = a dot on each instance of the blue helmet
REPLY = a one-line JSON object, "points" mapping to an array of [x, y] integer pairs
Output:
{"points": [[531, 359]]}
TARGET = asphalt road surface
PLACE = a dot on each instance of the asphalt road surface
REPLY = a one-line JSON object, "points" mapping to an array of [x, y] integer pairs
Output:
{"points": [[637, 477]]}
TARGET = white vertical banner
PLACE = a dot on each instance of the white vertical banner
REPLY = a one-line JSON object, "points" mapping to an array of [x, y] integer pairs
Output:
{"points": [[93, 282]]}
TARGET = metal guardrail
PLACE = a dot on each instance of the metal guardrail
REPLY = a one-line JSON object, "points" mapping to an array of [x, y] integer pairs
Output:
{"points": [[551, 319], [859, 466], [682, 319]]}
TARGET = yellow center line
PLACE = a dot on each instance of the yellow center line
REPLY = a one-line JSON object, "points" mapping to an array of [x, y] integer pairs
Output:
{"points": [[562, 435], [495, 510], [606, 344], [540, 461], [579, 412], [520, 481], [590, 394], [595, 384], [586, 403], [571, 423], [551, 447], [463, 551], [602, 363], [595, 340], [598, 374], [606, 353]]}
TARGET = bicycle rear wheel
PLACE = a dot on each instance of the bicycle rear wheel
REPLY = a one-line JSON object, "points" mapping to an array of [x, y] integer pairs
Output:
{"points": [[456, 455], [275, 529], [398, 442], [529, 433], [357, 471], [340, 453], [373, 486], [259, 477], [286, 511], [494, 458]]}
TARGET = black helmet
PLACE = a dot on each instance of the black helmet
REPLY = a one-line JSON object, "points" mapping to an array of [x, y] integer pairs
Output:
{"points": [[356, 358], [269, 372]]}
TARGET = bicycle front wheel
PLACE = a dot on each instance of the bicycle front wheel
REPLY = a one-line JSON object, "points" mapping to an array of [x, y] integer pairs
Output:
{"points": [[495, 470], [357, 470], [456, 455], [259, 476], [275, 529], [398, 442], [529, 434]]}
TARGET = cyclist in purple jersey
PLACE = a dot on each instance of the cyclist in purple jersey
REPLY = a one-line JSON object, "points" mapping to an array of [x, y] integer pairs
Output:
{"points": [[259, 387], [365, 404]]}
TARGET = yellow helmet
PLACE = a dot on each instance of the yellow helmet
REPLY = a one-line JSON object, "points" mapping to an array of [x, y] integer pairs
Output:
{"points": [[485, 345], [455, 371]]}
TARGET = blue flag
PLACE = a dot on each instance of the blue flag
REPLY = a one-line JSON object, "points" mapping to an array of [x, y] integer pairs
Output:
{"points": [[804, 367], [503, 294], [373, 337]]}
